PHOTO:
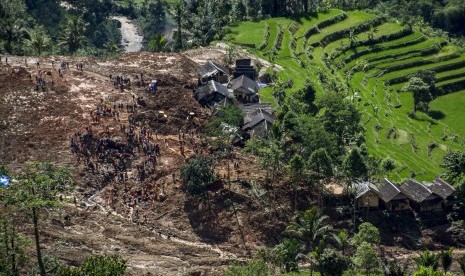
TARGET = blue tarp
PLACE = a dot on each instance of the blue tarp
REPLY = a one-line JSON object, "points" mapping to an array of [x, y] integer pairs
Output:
{"points": [[261, 84], [4, 180]]}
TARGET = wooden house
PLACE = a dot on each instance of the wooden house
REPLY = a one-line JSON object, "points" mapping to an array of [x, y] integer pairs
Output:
{"points": [[245, 89], [212, 71], [421, 197], [212, 94], [391, 196], [366, 195], [258, 123], [444, 190]]}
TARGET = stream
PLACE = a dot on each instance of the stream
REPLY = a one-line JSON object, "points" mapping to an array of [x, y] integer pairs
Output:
{"points": [[131, 38]]}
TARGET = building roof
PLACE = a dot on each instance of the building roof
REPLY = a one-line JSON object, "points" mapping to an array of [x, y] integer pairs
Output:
{"points": [[442, 188], [211, 68], [260, 116], [210, 88], [416, 191], [244, 62], [389, 191], [251, 109], [245, 82], [361, 188]]}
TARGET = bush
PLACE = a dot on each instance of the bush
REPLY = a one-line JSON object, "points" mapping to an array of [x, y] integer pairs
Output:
{"points": [[197, 175], [388, 164], [231, 115], [365, 259], [252, 268], [367, 232], [97, 266], [332, 263]]}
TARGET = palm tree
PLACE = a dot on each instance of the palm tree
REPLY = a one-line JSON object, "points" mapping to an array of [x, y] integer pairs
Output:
{"points": [[352, 38], [310, 226], [446, 259], [73, 36], [342, 239], [179, 15], [38, 40], [111, 48], [371, 34], [158, 43], [428, 259]]}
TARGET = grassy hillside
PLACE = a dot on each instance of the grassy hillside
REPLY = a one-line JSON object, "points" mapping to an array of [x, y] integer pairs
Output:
{"points": [[370, 59]]}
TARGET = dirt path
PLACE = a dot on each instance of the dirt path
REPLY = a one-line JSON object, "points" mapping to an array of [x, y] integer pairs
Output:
{"points": [[131, 37]]}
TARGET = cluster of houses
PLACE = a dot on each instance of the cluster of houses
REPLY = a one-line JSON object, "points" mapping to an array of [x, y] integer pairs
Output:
{"points": [[422, 197], [217, 86]]}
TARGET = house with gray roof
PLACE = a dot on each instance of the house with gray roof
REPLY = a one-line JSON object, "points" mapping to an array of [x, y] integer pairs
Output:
{"points": [[422, 198], [391, 196], [245, 89], [212, 93], [366, 194], [444, 190], [212, 71], [258, 123]]}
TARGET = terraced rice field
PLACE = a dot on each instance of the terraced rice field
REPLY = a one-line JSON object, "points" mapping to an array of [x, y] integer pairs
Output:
{"points": [[308, 47]]}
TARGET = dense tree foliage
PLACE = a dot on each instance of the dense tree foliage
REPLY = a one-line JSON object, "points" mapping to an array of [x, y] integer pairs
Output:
{"points": [[197, 175], [367, 232], [112, 265], [310, 226]]}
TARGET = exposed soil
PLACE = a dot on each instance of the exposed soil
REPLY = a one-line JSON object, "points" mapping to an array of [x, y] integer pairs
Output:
{"points": [[173, 234]]}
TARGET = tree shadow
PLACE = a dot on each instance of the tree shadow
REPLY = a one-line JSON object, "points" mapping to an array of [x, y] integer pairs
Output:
{"points": [[436, 114], [207, 217]]}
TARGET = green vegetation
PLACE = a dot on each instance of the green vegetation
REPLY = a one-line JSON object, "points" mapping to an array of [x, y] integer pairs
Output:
{"points": [[197, 175], [370, 66], [113, 265]]}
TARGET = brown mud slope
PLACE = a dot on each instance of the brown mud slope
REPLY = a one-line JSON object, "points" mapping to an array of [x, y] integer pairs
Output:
{"points": [[166, 234], [147, 218]]}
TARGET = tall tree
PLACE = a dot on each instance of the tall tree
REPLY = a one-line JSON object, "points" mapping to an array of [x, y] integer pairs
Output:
{"points": [[354, 166], [73, 34], [37, 40], [454, 163], [421, 93], [12, 23], [179, 15], [37, 189]]}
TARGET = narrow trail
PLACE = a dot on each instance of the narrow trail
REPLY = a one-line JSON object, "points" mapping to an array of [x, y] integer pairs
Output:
{"points": [[200, 245]]}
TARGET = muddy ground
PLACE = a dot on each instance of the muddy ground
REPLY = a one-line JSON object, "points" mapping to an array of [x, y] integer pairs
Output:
{"points": [[180, 234]]}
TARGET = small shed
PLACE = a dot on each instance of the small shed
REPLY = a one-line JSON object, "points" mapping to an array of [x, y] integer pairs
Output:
{"points": [[259, 123], [212, 93], [245, 89], [392, 198], [366, 194], [213, 71], [421, 197]]}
